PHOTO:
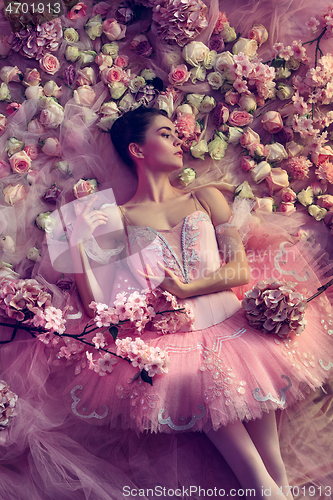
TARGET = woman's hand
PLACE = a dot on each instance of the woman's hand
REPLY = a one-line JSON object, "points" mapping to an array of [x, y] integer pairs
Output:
{"points": [[171, 282], [87, 222]]}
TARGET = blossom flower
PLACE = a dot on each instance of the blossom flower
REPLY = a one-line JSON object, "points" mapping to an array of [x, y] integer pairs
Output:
{"points": [[325, 171], [299, 167], [8, 401]]}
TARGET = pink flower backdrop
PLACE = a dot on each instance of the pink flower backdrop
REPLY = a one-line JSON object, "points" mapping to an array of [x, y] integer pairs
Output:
{"points": [[249, 86]]}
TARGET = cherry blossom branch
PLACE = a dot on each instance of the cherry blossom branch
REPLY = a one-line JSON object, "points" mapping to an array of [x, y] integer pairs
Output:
{"points": [[318, 49]]}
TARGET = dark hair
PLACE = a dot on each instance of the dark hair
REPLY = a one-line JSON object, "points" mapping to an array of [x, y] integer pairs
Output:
{"points": [[132, 127]]}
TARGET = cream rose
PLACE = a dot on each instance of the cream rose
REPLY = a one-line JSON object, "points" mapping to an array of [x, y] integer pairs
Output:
{"points": [[33, 92], [207, 104], [276, 152], [264, 205], [195, 100], [13, 145], [94, 27], [111, 49], [195, 53], [10, 74], [14, 194], [293, 149], [106, 122], [50, 88], [248, 102], [244, 190], [45, 222], [72, 53], [228, 33], [305, 197], [259, 33], [4, 92], [87, 57], [317, 212], [3, 123], [49, 63], [52, 115], [136, 83], [284, 91], [210, 59], [198, 73], [86, 76], [33, 254], [224, 62], [277, 179], [165, 102], [215, 80], [217, 147], [260, 171], [20, 162], [234, 135], [126, 103], [187, 176], [71, 35], [148, 74], [199, 149], [246, 46]]}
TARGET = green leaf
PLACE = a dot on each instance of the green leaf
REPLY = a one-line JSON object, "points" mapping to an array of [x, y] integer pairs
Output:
{"points": [[145, 377], [114, 332]]}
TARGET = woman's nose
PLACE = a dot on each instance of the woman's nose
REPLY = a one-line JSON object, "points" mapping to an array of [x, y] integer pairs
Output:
{"points": [[177, 141]]}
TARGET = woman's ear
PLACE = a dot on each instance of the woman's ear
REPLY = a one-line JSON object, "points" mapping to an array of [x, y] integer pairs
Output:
{"points": [[135, 150]]}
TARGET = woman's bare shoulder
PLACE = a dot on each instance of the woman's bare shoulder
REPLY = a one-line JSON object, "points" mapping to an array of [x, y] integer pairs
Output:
{"points": [[215, 203]]}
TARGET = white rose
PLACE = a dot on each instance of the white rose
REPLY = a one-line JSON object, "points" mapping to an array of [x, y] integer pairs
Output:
{"points": [[235, 133], [33, 254], [228, 33], [198, 73], [184, 109], [87, 57], [195, 99], [199, 149], [50, 88], [106, 122], [244, 190], [33, 92], [94, 27], [282, 73], [4, 92], [210, 59], [45, 222], [111, 49], [318, 213], [52, 115], [276, 152], [72, 53], [215, 80], [224, 62], [7, 271], [71, 35], [248, 102], [195, 53], [260, 171], [217, 148], [187, 176], [117, 89], [64, 168], [293, 64], [109, 108], [136, 83], [207, 104], [305, 197], [13, 146], [165, 102], [246, 46], [148, 74], [284, 91], [172, 58], [126, 102]]}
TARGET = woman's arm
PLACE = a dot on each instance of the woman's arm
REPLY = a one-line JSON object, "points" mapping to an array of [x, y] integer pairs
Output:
{"points": [[236, 270], [94, 282]]}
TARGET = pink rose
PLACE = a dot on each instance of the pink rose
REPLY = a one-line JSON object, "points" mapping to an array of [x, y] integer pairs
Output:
{"points": [[257, 150], [52, 115], [31, 77], [288, 195], [277, 179], [293, 149], [113, 30], [85, 95], [4, 169], [5, 47], [3, 123], [272, 122], [121, 61], [79, 10], [249, 138], [84, 188], [325, 153], [113, 74], [20, 162], [12, 108], [231, 97], [14, 194], [264, 205], [258, 33], [247, 163], [35, 126], [240, 118], [32, 151], [52, 147], [49, 63], [220, 114], [179, 75], [86, 76], [287, 208], [325, 201], [10, 74], [318, 188], [33, 176]]}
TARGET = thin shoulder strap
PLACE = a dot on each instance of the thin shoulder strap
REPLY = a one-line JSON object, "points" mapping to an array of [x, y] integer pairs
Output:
{"points": [[198, 204], [125, 220]]}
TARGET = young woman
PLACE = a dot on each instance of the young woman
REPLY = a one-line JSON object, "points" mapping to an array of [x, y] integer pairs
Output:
{"points": [[225, 377]]}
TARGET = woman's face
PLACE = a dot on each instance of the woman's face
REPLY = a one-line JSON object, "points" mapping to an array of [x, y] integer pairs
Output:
{"points": [[161, 149]]}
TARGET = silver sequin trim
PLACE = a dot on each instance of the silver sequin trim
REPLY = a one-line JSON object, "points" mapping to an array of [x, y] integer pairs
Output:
{"points": [[293, 272], [269, 395], [168, 421], [76, 401], [326, 367]]}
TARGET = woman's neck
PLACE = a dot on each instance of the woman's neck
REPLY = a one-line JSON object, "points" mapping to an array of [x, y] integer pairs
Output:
{"points": [[153, 187]]}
